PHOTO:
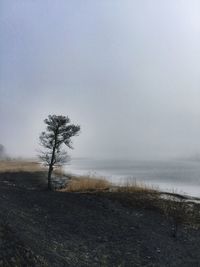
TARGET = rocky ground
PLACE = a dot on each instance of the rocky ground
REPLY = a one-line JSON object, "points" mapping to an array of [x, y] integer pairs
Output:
{"points": [[42, 228]]}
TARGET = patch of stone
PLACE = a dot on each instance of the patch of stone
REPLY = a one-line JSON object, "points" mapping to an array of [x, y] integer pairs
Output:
{"points": [[59, 182]]}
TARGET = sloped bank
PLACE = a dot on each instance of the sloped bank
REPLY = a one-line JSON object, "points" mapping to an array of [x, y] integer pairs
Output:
{"points": [[97, 228]]}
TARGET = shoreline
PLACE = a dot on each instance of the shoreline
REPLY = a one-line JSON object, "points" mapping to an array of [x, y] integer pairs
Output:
{"points": [[155, 186], [179, 176]]}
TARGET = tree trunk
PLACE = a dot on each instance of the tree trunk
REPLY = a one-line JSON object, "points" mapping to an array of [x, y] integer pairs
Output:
{"points": [[52, 162], [49, 177]]}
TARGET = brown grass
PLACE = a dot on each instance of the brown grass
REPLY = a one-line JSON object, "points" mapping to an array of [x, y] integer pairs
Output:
{"points": [[20, 166], [93, 183], [87, 183], [132, 186]]}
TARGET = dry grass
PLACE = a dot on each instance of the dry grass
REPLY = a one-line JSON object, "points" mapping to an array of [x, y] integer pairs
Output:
{"points": [[93, 183], [87, 183], [20, 166], [132, 186]]}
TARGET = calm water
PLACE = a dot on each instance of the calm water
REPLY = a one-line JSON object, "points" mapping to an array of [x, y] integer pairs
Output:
{"points": [[178, 176]]}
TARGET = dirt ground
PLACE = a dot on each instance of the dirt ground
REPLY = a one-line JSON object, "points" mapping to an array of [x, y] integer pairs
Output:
{"points": [[74, 229]]}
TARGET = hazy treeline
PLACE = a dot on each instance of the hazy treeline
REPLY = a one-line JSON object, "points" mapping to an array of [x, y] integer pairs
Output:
{"points": [[3, 154]]}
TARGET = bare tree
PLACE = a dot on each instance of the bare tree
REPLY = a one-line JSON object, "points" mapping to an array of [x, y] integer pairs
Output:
{"points": [[58, 132]]}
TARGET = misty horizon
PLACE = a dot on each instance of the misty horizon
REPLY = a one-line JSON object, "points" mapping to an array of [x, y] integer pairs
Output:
{"points": [[128, 72]]}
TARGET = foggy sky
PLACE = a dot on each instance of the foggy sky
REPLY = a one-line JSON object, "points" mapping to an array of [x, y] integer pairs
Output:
{"points": [[127, 71]]}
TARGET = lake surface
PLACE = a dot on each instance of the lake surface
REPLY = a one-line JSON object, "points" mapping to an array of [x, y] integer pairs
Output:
{"points": [[173, 176]]}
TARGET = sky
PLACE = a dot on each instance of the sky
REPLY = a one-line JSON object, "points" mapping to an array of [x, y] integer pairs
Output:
{"points": [[127, 71]]}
